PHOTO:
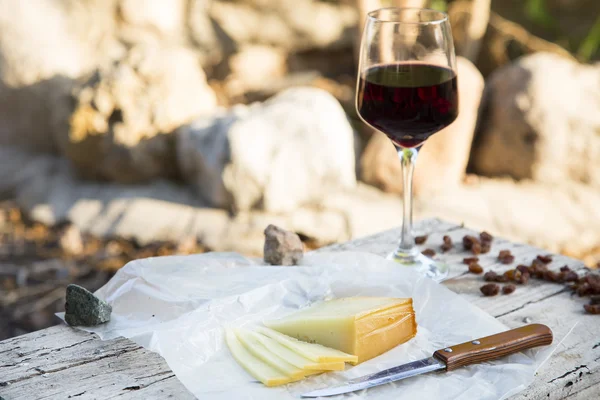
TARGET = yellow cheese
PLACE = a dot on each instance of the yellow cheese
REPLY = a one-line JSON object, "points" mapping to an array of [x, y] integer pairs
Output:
{"points": [[261, 352], [255, 367], [312, 351], [294, 358], [363, 326]]}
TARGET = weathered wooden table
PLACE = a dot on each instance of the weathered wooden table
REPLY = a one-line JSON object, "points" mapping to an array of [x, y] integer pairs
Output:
{"points": [[62, 363]]}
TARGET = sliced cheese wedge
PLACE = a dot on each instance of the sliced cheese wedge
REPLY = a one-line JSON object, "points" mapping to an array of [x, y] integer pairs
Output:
{"points": [[312, 351], [258, 350], [294, 358], [255, 367], [363, 326]]}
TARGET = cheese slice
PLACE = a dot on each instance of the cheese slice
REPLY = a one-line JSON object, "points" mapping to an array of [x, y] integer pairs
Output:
{"points": [[362, 326], [258, 350], [312, 351], [294, 358], [255, 367]]}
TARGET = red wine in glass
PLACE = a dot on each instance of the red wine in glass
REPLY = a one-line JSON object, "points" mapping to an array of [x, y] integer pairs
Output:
{"points": [[408, 101]]}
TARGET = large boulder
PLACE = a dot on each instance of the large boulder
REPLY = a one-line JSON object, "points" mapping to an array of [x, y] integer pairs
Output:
{"points": [[150, 20], [443, 158], [214, 45], [290, 24], [542, 121], [120, 129], [43, 48], [272, 156], [253, 68]]}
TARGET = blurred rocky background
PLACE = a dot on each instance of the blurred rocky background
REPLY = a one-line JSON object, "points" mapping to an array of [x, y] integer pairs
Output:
{"points": [[138, 128]]}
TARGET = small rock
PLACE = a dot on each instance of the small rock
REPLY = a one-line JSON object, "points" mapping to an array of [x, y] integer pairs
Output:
{"points": [[282, 247], [84, 309]]}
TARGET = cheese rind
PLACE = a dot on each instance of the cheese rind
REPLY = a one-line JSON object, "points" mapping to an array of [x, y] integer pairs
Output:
{"points": [[363, 326], [255, 367]]}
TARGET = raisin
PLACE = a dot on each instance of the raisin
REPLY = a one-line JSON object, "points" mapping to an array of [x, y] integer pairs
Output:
{"points": [[537, 263], [551, 276], [469, 241], [565, 268], [485, 247], [538, 269], [510, 274], [569, 276], [504, 253], [428, 252], [594, 300], [491, 289], [594, 281], [490, 276], [475, 268], [486, 237], [523, 278], [508, 289], [584, 289], [505, 257], [592, 308], [476, 248], [547, 259], [501, 278], [446, 247], [523, 269], [420, 239], [470, 260]]}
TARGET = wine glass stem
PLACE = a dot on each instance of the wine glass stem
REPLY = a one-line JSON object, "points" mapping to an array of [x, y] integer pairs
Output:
{"points": [[408, 158]]}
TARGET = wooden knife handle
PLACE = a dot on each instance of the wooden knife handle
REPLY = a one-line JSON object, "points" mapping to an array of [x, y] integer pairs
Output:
{"points": [[495, 346]]}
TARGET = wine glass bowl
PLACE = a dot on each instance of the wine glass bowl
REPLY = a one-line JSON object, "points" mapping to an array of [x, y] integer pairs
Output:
{"points": [[407, 89]]}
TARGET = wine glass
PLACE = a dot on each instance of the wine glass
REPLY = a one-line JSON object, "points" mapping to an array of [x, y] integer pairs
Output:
{"points": [[407, 89]]}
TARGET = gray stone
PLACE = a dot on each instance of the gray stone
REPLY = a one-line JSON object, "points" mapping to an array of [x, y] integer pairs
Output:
{"points": [[84, 309], [275, 156], [120, 129], [282, 247], [541, 122]]}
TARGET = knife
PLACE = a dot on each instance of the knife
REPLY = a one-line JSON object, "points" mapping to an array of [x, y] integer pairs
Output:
{"points": [[451, 358]]}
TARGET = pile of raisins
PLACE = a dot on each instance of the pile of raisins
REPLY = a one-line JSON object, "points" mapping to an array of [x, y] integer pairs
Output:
{"points": [[588, 285]]}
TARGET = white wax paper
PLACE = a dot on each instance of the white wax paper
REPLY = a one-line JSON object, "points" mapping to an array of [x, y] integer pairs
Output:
{"points": [[178, 307]]}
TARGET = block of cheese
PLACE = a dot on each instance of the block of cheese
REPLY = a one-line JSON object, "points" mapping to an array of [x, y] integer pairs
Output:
{"points": [[363, 326]]}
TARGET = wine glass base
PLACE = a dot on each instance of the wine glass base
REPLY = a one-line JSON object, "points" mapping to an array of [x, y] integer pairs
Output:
{"points": [[434, 269]]}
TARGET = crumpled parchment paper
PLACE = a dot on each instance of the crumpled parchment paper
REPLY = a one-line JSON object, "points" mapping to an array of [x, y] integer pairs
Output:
{"points": [[178, 307]]}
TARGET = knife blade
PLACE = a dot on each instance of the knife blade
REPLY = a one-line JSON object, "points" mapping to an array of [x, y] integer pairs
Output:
{"points": [[450, 358]]}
